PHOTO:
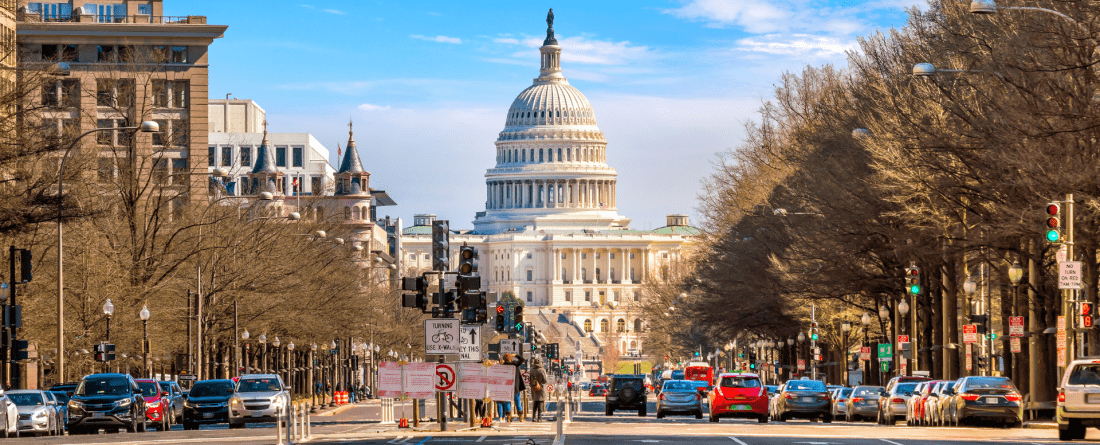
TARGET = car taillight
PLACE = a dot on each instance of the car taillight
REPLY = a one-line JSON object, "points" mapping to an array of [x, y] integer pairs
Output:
{"points": [[661, 397], [857, 399], [1061, 397], [969, 397], [842, 400], [788, 396], [897, 400], [1013, 397]]}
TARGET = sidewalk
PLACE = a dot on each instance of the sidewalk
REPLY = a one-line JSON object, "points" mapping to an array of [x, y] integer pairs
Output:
{"points": [[1041, 425]]}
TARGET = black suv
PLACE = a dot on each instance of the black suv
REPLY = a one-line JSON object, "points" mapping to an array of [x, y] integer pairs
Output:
{"points": [[109, 401], [626, 391]]}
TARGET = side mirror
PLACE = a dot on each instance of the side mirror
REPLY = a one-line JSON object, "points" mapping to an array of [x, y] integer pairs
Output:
{"points": [[164, 394], [230, 390]]}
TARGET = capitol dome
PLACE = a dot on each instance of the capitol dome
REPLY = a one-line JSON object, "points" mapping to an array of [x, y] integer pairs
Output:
{"points": [[551, 168]]}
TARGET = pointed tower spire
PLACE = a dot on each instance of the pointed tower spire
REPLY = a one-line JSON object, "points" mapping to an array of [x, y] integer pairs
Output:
{"points": [[264, 176], [265, 158], [352, 178], [550, 71], [351, 163]]}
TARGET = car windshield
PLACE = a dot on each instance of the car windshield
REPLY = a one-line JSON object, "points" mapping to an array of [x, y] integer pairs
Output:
{"points": [[62, 398], [149, 389], [258, 385], [772, 389], [168, 387], [989, 383], [868, 391], [623, 383], [678, 385], [27, 399], [905, 389], [805, 385], [740, 382], [208, 389], [1085, 374], [103, 386]]}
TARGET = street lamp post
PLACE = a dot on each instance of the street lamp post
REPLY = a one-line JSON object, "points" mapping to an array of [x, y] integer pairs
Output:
{"points": [[312, 377], [290, 366], [263, 353], [108, 310], [883, 315], [903, 309], [845, 327], [145, 127], [970, 287], [144, 314], [277, 359], [1016, 274], [866, 322], [247, 352]]}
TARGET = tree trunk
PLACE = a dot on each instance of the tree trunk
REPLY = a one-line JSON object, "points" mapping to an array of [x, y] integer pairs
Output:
{"points": [[935, 337], [951, 363]]}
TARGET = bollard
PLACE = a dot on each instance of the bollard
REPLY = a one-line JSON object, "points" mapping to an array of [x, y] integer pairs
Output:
{"points": [[560, 419], [279, 426], [291, 424], [569, 408], [387, 411], [309, 422]]}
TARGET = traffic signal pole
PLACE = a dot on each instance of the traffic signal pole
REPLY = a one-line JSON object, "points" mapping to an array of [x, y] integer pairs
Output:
{"points": [[1068, 295]]}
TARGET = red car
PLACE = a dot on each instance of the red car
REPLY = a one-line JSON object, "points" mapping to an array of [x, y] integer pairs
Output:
{"points": [[739, 395], [598, 391], [158, 405]]}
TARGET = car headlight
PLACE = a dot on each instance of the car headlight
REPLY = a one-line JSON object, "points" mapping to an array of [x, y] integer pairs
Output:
{"points": [[76, 404], [123, 402], [153, 404], [187, 404], [40, 414], [235, 401]]}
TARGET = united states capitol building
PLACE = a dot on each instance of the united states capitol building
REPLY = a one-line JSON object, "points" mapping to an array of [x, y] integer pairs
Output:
{"points": [[551, 234]]}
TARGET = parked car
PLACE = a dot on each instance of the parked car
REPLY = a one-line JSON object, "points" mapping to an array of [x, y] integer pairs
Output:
{"points": [[1078, 399], [207, 403], [739, 395], [892, 404], [840, 402], [11, 417], [258, 398], [175, 398], [773, 402], [627, 393], [931, 409], [679, 396], [157, 403], [986, 398], [62, 406], [905, 379], [913, 412], [863, 403], [808, 399], [37, 412], [109, 401]]}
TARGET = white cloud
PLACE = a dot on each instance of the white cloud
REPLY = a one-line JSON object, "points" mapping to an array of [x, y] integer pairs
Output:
{"points": [[796, 45], [308, 6], [756, 17], [583, 50], [335, 11], [752, 15], [373, 107], [440, 39], [507, 40]]}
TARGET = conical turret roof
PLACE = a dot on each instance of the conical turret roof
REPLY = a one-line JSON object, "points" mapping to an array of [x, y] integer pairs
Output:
{"points": [[351, 162], [265, 158]]}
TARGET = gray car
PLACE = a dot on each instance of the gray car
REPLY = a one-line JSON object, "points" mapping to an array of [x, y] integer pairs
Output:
{"points": [[863, 403], [893, 403], [257, 398], [679, 396], [37, 412]]}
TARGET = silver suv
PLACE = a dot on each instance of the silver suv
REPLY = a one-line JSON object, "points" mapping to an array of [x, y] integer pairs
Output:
{"points": [[1079, 398], [257, 398]]}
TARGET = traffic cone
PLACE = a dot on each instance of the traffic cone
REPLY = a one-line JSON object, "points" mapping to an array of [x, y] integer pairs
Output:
{"points": [[403, 423], [486, 422]]}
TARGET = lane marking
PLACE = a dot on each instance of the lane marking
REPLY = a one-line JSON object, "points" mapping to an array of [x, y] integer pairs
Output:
{"points": [[739, 442], [430, 438], [481, 438], [890, 442]]}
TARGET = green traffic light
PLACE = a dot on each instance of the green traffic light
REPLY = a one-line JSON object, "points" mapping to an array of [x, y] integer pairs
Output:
{"points": [[1053, 235], [519, 326], [813, 337], [914, 289], [752, 366]]}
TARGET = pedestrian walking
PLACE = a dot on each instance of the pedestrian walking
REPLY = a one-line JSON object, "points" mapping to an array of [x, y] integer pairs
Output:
{"points": [[538, 388]]}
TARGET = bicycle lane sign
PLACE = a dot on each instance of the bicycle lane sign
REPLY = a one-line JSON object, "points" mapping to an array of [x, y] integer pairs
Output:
{"points": [[441, 336]]}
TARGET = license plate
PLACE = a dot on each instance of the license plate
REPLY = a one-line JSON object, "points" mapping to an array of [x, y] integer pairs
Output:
{"points": [[1092, 398], [741, 407], [207, 415], [806, 399], [98, 415], [257, 414], [992, 400]]}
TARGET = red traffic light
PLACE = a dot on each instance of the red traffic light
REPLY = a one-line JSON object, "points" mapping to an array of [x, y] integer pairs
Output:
{"points": [[914, 271], [1086, 308], [1053, 222], [500, 309], [1053, 209]]}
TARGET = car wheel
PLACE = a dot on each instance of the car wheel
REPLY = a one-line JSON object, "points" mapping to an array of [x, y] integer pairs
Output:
{"points": [[699, 414], [827, 419], [713, 418], [660, 415], [641, 411], [762, 419]]}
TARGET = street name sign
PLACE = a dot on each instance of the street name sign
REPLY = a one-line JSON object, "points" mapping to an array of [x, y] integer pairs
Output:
{"points": [[1069, 275], [470, 343], [970, 333], [441, 336], [885, 352], [1016, 326]]}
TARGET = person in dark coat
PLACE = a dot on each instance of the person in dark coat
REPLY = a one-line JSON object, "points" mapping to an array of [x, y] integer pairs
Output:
{"points": [[517, 361], [538, 388]]}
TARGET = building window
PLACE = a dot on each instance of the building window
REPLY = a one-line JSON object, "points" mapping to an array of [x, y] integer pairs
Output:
{"points": [[612, 256], [620, 326], [170, 93], [584, 256], [563, 255], [114, 53], [616, 295], [597, 274], [638, 325], [597, 255], [631, 255], [631, 274], [298, 161], [635, 296], [612, 274], [529, 296], [280, 156], [209, 157], [529, 274], [584, 274], [603, 297], [171, 54], [563, 274], [587, 295], [61, 93], [175, 132], [568, 296], [108, 13], [118, 93], [60, 53], [227, 156], [604, 325], [316, 185], [179, 54], [106, 170], [528, 255], [117, 138], [160, 171], [59, 128], [181, 171], [664, 255], [588, 326], [246, 156], [412, 256]]}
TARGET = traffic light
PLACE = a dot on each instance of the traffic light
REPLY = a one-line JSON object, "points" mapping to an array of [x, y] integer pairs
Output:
{"points": [[752, 365], [912, 280], [419, 299], [517, 317], [104, 352], [19, 350], [481, 308], [500, 320], [25, 265], [467, 260], [441, 245], [1053, 229], [552, 351], [1086, 315]]}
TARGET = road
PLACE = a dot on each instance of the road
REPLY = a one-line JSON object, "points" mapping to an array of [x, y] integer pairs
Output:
{"points": [[358, 425]]}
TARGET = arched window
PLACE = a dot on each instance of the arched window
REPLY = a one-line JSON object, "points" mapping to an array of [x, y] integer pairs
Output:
{"points": [[563, 274], [637, 325], [611, 275], [540, 155], [559, 155], [355, 213], [588, 326], [620, 326], [632, 274], [347, 212], [633, 344], [604, 326], [524, 156]]}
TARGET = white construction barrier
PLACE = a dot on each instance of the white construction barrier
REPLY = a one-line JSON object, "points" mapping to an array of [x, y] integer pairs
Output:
{"points": [[387, 411]]}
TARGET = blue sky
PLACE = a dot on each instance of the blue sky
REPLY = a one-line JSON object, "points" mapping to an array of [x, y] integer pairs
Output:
{"points": [[428, 83]]}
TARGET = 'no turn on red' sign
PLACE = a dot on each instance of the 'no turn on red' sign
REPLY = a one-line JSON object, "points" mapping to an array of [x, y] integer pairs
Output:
{"points": [[1069, 275]]}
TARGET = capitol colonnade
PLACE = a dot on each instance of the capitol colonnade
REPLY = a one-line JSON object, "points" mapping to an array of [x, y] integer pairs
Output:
{"points": [[551, 193]]}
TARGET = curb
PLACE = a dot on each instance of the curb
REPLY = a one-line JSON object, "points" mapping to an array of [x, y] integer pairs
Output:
{"points": [[1041, 426], [337, 410], [560, 441]]}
